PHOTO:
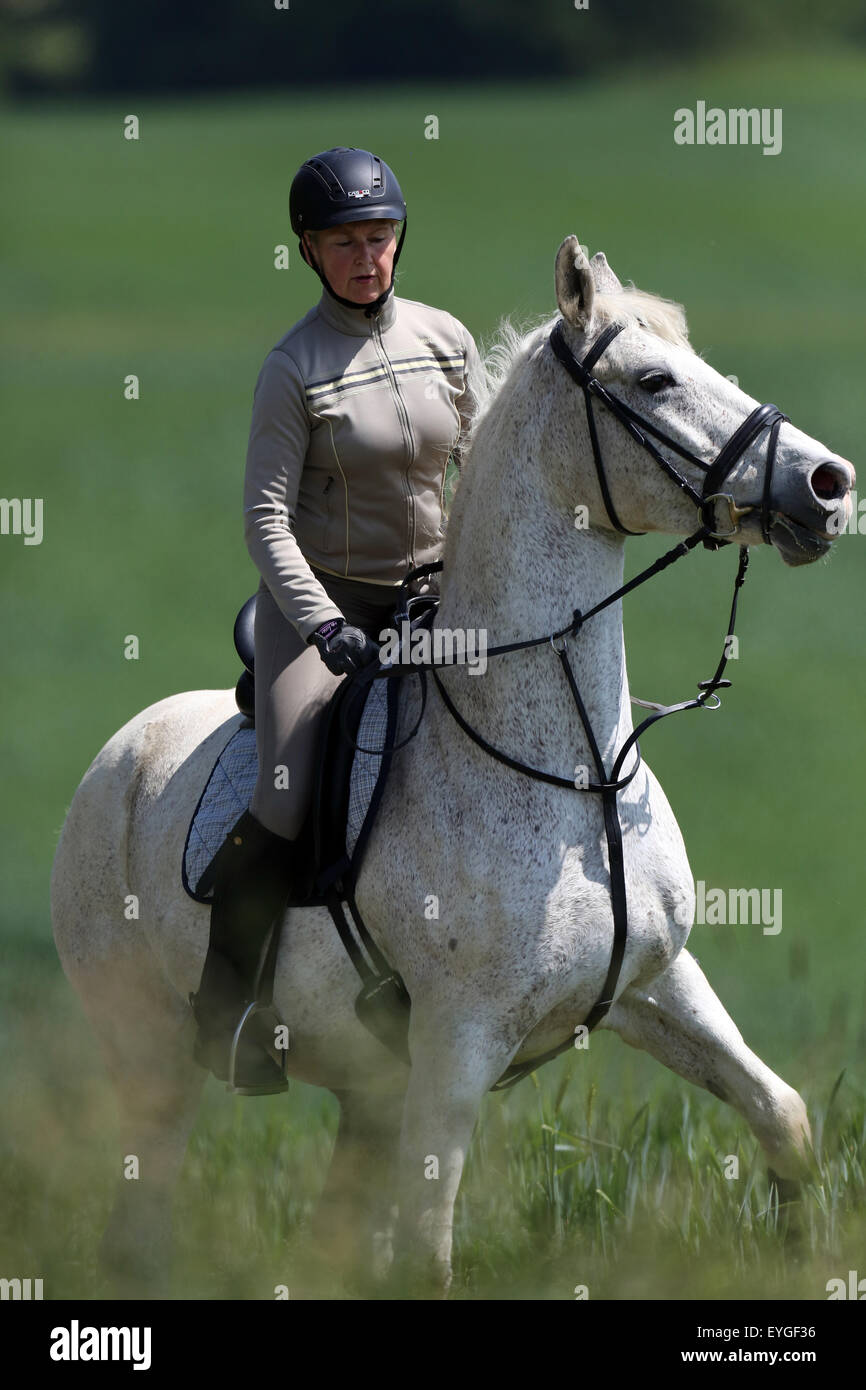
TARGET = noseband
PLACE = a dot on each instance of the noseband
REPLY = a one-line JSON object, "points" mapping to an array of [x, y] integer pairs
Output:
{"points": [[762, 417]]}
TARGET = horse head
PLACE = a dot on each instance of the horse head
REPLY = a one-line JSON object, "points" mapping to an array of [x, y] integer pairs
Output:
{"points": [[649, 399]]}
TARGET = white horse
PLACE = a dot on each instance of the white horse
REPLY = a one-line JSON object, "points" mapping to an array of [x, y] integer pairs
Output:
{"points": [[518, 952]]}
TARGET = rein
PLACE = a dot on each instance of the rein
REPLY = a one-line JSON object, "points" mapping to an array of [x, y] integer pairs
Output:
{"points": [[764, 417]]}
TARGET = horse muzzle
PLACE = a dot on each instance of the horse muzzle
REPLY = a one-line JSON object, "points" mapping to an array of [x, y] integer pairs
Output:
{"points": [[810, 509]]}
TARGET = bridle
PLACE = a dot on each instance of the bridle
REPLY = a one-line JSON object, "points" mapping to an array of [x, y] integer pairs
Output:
{"points": [[764, 417]]}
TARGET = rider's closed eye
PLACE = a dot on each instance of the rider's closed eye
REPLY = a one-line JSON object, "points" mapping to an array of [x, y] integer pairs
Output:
{"points": [[656, 381]]}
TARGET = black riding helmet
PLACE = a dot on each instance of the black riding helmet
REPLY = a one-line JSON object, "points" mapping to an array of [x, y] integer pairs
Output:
{"points": [[345, 184]]}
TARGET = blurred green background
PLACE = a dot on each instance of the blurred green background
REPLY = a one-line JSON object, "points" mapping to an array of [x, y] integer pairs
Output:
{"points": [[155, 257]]}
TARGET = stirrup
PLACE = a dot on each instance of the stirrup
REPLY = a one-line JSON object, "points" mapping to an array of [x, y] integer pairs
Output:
{"points": [[272, 1089]]}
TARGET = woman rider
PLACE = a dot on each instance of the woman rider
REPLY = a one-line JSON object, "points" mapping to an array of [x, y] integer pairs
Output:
{"points": [[355, 415]]}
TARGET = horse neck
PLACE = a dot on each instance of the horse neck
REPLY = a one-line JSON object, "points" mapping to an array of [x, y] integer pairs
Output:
{"points": [[515, 566]]}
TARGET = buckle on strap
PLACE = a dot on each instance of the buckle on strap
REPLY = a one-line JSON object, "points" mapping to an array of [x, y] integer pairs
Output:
{"points": [[735, 513]]}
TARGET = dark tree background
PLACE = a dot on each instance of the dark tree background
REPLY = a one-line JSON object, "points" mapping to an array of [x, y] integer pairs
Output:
{"points": [[164, 46]]}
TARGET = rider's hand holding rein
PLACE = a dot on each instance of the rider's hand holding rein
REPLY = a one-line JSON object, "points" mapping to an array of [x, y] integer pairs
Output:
{"points": [[344, 649]]}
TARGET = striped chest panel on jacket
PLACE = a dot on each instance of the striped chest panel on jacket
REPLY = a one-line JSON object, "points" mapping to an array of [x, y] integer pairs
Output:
{"points": [[382, 428], [353, 423]]}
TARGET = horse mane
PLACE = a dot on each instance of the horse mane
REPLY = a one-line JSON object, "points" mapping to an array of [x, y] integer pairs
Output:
{"points": [[513, 346]]}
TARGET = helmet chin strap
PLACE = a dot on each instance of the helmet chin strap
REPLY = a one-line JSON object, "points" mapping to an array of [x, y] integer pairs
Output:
{"points": [[369, 309]]}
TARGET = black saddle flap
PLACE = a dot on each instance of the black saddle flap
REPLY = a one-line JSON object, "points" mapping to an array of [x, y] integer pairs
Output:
{"points": [[331, 793]]}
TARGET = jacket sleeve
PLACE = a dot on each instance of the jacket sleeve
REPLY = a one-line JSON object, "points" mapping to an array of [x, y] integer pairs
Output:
{"points": [[472, 395], [279, 439]]}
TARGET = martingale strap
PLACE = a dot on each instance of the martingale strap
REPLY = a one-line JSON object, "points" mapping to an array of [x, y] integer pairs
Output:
{"points": [[608, 786]]}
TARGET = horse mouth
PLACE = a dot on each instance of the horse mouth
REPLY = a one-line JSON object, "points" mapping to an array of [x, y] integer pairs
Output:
{"points": [[798, 544]]}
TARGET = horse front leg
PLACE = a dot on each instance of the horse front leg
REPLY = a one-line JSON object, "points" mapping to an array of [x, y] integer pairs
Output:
{"points": [[454, 1063], [680, 1021], [352, 1228]]}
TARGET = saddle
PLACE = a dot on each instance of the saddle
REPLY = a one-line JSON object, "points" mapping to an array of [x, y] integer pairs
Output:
{"points": [[356, 747], [355, 750]]}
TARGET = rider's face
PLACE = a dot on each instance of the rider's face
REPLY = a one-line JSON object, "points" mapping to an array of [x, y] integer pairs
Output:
{"points": [[356, 258]]}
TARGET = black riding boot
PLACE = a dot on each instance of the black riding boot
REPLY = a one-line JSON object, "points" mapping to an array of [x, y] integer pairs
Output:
{"points": [[251, 876]]}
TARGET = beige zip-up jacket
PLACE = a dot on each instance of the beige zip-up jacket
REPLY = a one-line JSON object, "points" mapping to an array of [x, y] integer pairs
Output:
{"points": [[354, 420]]}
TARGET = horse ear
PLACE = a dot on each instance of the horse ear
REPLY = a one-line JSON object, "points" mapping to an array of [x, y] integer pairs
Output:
{"points": [[575, 287], [606, 279]]}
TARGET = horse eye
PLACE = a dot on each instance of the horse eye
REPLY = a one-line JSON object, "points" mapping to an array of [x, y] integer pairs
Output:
{"points": [[656, 381]]}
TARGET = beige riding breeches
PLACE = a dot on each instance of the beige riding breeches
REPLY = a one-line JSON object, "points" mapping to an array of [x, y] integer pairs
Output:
{"points": [[293, 687]]}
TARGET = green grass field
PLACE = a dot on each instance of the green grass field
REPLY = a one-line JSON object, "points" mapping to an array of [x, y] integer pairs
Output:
{"points": [[156, 258]]}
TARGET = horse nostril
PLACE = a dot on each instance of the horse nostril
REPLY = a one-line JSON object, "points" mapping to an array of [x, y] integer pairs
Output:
{"points": [[830, 482]]}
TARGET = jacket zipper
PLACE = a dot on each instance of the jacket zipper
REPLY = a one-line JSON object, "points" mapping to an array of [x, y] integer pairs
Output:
{"points": [[407, 437], [325, 491]]}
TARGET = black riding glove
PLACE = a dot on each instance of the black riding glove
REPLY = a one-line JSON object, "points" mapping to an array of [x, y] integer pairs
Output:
{"points": [[344, 649]]}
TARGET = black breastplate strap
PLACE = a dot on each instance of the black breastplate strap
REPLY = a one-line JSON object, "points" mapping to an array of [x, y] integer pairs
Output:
{"points": [[608, 786]]}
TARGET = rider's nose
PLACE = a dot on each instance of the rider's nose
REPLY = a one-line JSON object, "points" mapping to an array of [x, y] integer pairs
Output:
{"points": [[830, 481]]}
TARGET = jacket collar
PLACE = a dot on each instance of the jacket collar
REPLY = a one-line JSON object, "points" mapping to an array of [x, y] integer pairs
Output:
{"points": [[353, 321]]}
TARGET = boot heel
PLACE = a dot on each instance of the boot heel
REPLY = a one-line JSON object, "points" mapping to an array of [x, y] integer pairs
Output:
{"points": [[251, 874]]}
